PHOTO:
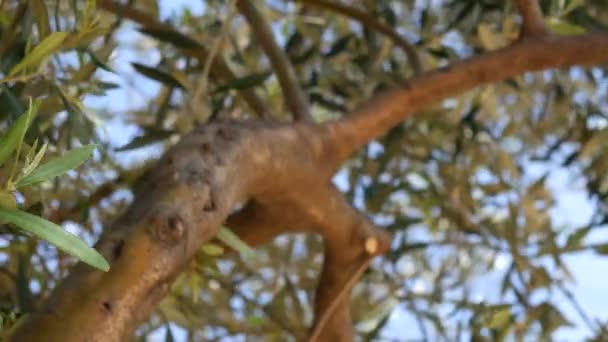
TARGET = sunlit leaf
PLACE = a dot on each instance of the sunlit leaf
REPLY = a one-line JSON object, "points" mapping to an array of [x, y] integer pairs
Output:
{"points": [[49, 45], [372, 318], [58, 166], [10, 141], [560, 26], [7, 200], [55, 235], [255, 320], [33, 164], [575, 240], [244, 82], [212, 249], [42, 17], [499, 319], [226, 236]]}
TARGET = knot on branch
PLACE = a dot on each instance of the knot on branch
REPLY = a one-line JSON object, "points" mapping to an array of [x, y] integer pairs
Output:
{"points": [[378, 243], [168, 230]]}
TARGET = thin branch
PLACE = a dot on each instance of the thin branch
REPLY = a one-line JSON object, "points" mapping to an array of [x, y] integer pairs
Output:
{"points": [[373, 24], [190, 47], [377, 116], [532, 15], [577, 307], [295, 98], [202, 86]]}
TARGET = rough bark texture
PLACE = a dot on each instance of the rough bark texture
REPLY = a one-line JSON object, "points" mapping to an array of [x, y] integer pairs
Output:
{"points": [[284, 172]]}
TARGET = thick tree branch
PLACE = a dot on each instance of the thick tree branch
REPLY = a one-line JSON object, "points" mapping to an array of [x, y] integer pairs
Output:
{"points": [[389, 108], [374, 24], [532, 15], [295, 98], [190, 47]]}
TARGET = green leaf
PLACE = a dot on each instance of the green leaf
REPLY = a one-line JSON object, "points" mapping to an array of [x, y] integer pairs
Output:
{"points": [[256, 320], [575, 239], [10, 101], [158, 75], [212, 249], [107, 85], [601, 248], [55, 235], [243, 82], [340, 45], [381, 311], [24, 293], [226, 236], [99, 62], [58, 166], [169, 335], [33, 164], [7, 200], [13, 138], [173, 37], [41, 14], [560, 26], [49, 45], [499, 319], [151, 137]]}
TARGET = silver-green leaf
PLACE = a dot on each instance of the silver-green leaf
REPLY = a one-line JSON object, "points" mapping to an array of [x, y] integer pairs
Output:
{"points": [[58, 166], [226, 236], [13, 138], [55, 235]]}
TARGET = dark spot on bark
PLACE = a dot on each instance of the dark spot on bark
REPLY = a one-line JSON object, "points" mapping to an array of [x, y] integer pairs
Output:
{"points": [[193, 176], [49, 311], [171, 230], [205, 147], [117, 251], [107, 306], [169, 161], [223, 133], [209, 205], [218, 160], [445, 69]]}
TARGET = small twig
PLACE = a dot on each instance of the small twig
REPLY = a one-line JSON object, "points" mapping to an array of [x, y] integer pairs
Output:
{"points": [[218, 42], [577, 307], [373, 24], [219, 68], [532, 15], [295, 98], [213, 52]]}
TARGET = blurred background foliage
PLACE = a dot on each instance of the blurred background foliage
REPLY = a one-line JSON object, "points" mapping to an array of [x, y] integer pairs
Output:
{"points": [[477, 254]]}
